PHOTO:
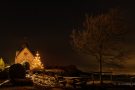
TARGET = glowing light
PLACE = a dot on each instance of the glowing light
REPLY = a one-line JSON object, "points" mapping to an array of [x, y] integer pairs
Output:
{"points": [[44, 80], [2, 64], [37, 64]]}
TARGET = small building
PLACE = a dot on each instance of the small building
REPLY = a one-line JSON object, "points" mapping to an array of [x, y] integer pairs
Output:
{"points": [[25, 55]]}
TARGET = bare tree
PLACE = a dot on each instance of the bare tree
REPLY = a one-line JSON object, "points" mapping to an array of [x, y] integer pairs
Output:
{"points": [[101, 36]]}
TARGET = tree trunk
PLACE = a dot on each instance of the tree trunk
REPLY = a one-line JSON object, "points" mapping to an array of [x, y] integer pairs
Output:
{"points": [[100, 69], [100, 63]]}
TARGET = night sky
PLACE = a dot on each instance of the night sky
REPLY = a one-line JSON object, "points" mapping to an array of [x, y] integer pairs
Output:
{"points": [[48, 25]]}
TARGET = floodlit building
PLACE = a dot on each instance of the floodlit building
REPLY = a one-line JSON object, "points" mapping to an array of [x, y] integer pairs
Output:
{"points": [[25, 55]]}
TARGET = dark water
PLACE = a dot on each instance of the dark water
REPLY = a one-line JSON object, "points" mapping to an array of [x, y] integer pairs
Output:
{"points": [[94, 88], [33, 88]]}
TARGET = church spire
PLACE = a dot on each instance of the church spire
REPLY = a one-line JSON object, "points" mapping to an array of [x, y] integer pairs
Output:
{"points": [[25, 42]]}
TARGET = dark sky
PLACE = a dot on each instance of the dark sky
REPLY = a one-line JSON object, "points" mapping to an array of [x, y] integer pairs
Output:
{"points": [[48, 25]]}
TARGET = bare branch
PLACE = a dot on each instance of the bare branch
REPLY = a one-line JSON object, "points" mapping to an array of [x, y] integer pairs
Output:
{"points": [[101, 36]]}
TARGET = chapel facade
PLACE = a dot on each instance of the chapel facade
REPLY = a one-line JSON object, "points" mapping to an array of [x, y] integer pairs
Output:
{"points": [[25, 55]]}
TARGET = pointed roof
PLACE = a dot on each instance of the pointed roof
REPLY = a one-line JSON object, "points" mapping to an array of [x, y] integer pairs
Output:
{"points": [[32, 52], [25, 44]]}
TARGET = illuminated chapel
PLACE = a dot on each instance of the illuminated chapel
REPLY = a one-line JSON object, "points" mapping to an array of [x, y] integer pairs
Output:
{"points": [[25, 55]]}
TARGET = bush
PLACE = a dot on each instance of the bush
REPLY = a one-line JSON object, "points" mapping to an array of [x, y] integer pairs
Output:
{"points": [[16, 71], [4, 74]]}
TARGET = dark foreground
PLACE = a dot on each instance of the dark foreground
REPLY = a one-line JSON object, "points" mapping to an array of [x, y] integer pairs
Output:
{"points": [[32, 87]]}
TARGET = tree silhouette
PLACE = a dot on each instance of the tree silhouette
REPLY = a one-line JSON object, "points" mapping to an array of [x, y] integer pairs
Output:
{"points": [[101, 36]]}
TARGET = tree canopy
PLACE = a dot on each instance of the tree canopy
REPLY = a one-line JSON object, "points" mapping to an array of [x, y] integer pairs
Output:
{"points": [[102, 36]]}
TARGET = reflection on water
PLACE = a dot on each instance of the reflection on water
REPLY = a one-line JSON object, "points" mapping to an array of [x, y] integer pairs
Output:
{"points": [[57, 89], [31, 88]]}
